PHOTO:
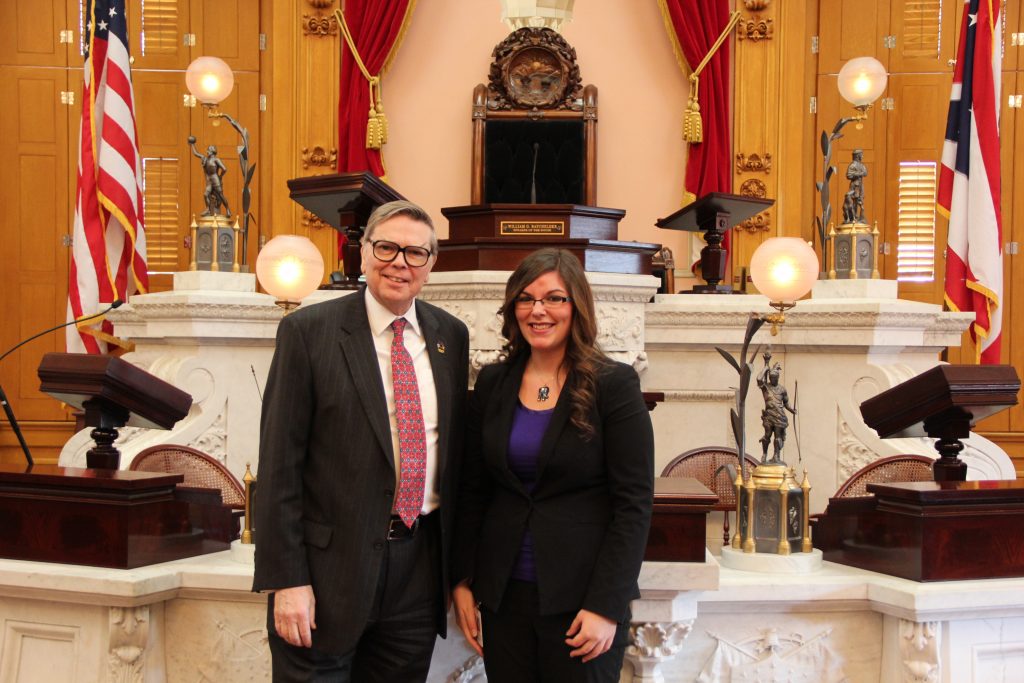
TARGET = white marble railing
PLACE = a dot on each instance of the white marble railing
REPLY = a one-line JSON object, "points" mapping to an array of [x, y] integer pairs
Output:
{"points": [[196, 620]]}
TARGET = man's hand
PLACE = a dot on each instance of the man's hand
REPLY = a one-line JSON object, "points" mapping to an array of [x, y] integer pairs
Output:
{"points": [[590, 634], [295, 615], [466, 615]]}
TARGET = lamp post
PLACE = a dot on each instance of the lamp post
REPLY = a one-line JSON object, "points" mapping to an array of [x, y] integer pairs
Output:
{"points": [[783, 269], [290, 268], [861, 81], [210, 80]]}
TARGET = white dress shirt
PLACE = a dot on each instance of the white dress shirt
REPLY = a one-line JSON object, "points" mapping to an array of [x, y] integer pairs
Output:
{"points": [[380, 319]]}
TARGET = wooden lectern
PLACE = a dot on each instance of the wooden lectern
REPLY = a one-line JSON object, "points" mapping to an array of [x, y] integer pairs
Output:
{"points": [[940, 530], [104, 516], [344, 201], [713, 214], [943, 403], [113, 393]]}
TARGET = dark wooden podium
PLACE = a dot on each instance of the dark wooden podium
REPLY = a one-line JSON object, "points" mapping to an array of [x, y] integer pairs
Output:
{"points": [[112, 393], [943, 403], [679, 525], [713, 214], [928, 531], [107, 518], [940, 530], [499, 236]]}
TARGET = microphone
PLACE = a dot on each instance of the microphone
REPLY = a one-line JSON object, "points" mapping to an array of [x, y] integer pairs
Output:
{"points": [[3, 397], [117, 303], [533, 174]]}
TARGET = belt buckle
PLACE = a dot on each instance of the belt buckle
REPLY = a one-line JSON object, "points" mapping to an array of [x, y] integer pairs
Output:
{"points": [[397, 530]]}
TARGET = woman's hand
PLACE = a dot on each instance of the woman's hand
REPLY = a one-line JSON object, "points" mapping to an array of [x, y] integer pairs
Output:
{"points": [[590, 634], [466, 615]]}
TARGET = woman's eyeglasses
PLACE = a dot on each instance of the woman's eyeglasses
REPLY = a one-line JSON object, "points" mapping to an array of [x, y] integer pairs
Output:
{"points": [[388, 251], [525, 301]]}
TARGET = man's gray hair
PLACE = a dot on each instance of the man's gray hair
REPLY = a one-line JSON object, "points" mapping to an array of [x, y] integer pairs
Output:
{"points": [[386, 212]]}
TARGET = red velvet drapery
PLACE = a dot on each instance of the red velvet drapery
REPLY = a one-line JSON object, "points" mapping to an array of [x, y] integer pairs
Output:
{"points": [[697, 24], [376, 26]]}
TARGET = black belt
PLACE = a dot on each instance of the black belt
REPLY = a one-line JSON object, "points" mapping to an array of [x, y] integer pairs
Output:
{"points": [[398, 531]]}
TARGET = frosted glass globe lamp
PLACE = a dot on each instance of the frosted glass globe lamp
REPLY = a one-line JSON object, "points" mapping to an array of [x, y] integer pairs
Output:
{"points": [[210, 80], [289, 267], [783, 269]]}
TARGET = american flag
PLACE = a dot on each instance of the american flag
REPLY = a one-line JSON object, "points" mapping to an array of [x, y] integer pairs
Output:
{"points": [[108, 259], [969, 187]]}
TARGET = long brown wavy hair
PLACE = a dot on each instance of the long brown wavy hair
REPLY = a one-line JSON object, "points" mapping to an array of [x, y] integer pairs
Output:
{"points": [[583, 357]]}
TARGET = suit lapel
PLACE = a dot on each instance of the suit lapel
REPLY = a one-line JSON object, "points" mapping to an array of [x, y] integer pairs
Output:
{"points": [[504, 402], [361, 355], [559, 420], [441, 367]]}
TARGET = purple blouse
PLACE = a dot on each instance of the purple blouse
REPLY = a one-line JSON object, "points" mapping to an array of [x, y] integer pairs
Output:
{"points": [[528, 427]]}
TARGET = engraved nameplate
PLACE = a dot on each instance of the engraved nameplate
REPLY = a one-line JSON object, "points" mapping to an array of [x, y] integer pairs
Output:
{"points": [[532, 227]]}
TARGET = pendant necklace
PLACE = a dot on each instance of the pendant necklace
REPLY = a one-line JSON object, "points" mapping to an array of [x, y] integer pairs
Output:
{"points": [[544, 392]]}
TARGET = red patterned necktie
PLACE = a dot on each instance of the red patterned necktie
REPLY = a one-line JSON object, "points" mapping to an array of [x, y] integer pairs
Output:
{"points": [[412, 443]]}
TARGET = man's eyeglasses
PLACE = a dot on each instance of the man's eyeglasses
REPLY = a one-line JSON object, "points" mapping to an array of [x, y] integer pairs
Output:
{"points": [[388, 251], [525, 301]]}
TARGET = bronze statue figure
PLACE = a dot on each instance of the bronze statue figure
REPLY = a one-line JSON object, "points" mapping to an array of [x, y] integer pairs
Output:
{"points": [[853, 202], [776, 403], [214, 170]]}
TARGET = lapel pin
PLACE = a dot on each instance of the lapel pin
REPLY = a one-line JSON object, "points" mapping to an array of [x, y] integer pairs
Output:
{"points": [[440, 347]]}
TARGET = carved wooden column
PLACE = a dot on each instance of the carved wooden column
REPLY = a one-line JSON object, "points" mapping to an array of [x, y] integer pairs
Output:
{"points": [[771, 123]]}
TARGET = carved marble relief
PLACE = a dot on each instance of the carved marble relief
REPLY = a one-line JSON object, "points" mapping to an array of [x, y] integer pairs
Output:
{"points": [[853, 454], [654, 644], [919, 651], [129, 635], [772, 656]]}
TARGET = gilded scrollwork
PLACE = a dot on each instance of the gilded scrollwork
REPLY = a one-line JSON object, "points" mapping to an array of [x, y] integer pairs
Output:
{"points": [[318, 156], [319, 25], [762, 222], [753, 163], [755, 29], [534, 68], [754, 188], [311, 220]]}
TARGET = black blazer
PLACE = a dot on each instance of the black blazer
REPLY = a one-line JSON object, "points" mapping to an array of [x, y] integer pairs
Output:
{"points": [[326, 470], [589, 512]]}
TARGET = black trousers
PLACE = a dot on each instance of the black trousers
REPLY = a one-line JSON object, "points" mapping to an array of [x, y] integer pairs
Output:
{"points": [[399, 637], [521, 646]]}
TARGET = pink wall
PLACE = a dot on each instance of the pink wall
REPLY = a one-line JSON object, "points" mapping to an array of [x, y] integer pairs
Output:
{"points": [[622, 48]]}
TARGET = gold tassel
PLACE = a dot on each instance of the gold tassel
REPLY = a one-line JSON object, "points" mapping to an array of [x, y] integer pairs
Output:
{"points": [[382, 122], [693, 129], [372, 130]]}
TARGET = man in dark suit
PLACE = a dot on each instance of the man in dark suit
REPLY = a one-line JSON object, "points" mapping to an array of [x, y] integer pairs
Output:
{"points": [[360, 447]]}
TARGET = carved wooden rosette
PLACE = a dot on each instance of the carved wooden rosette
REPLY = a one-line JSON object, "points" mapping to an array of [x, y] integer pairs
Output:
{"points": [[753, 163], [319, 25], [534, 68], [318, 156], [757, 189], [755, 28]]}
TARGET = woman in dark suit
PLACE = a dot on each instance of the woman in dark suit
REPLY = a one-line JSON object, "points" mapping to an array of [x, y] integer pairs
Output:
{"points": [[556, 489]]}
